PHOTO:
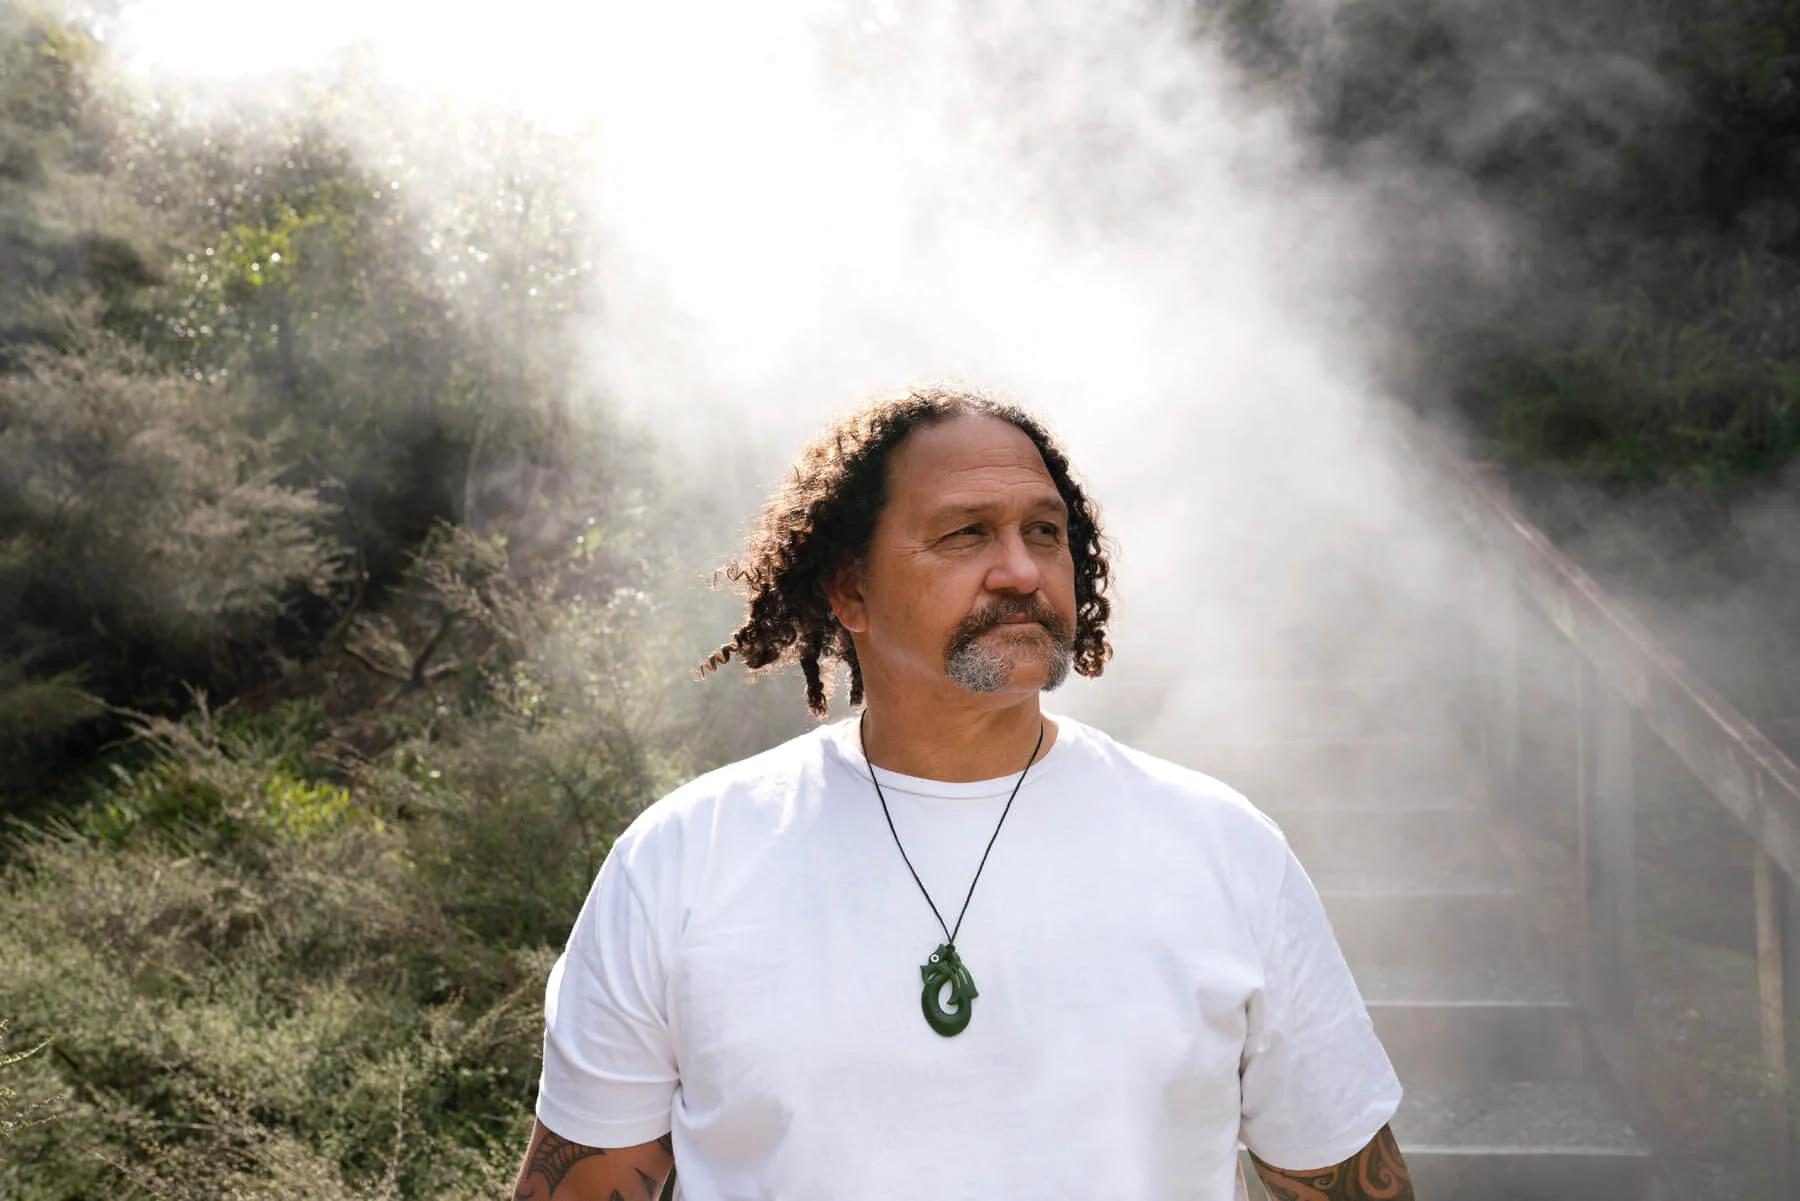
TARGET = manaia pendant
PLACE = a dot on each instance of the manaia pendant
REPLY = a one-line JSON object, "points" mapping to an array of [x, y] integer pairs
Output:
{"points": [[946, 967]]}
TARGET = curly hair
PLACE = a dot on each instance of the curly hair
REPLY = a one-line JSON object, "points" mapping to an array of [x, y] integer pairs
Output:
{"points": [[822, 517]]}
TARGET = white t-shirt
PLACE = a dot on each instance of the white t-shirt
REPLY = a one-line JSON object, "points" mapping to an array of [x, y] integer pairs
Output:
{"points": [[1157, 981]]}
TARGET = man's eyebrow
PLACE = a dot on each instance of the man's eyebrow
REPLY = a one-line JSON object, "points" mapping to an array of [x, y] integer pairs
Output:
{"points": [[1049, 502]]}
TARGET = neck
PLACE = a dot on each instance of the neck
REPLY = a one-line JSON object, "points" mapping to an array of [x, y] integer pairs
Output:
{"points": [[955, 744]]}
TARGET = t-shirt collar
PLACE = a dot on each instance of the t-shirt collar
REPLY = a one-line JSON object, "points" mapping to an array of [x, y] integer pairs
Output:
{"points": [[843, 744]]}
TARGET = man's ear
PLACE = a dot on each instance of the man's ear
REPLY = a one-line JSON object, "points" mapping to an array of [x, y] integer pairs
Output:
{"points": [[844, 592]]}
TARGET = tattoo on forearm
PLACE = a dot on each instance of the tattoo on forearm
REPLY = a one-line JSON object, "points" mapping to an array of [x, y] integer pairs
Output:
{"points": [[1376, 1173], [554, 1159], [653, 1188]]}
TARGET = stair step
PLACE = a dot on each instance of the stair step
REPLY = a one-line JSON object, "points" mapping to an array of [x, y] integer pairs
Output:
{"points": [[1456, 839], [1259, 709], [1521, 1141], [1540, 1116], [1466, 980], [1391, 922], [1388, 642], [1351, 769], [1323, 800], [1491, 1174], [1473, 1042], [1407, 876]]}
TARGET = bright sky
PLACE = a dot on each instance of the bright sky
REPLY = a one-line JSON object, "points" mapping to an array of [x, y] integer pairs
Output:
{"points": [[538, 55], [223, 39]]}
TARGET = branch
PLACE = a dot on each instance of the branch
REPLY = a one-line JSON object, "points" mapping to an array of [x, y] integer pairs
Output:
{"points": [[445, 624], [379, 669]]}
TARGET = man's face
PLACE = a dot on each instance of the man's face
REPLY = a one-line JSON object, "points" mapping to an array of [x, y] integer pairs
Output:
{"points": [[968, 583]]}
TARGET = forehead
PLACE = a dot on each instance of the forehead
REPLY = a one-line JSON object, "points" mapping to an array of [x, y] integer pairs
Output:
{"points": [[971, 459]]}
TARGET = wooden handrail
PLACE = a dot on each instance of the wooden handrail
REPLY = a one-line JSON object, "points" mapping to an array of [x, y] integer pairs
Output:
{"points": [[1733, 760]]}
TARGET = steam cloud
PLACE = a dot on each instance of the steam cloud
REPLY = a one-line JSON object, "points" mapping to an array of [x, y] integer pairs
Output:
{"points": [[1083, 208]]}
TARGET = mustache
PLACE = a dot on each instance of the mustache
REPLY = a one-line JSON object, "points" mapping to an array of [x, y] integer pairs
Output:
{"points": [[1039, 611]]}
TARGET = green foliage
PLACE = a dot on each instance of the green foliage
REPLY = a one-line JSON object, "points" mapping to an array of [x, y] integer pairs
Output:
{"points": [[281, 1020], [317, 971], [560, 754], [1634, 163], [261, 366], [297, 501], [273, 430], [16, 1113], [106, 460], [404, 313], [33, 709], [223, 779], [455, 609], [317, 1008], [300, 949], [48, 136], [110, 461], [1639, 402]]}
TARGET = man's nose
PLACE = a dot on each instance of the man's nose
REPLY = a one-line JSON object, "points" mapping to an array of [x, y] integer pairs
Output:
{"points": [[1014, 569]]}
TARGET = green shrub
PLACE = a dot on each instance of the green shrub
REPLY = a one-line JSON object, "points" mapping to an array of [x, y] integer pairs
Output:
{"points": [[222, 779], [300, 1018], [106, 460], [306, 945], [18, 1113], [1639, 402]]}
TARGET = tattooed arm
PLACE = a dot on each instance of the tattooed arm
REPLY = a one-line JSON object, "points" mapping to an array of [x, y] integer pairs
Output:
{"points": [[1376, 1173], [556, 1169]]}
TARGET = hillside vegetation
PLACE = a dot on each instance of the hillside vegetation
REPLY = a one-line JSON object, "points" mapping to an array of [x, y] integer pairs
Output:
{"points": [[330, 653]]}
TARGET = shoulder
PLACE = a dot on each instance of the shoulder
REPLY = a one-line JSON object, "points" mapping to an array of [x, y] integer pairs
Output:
{"points": [[1172, 788], [1197, 825], [729, 799]]}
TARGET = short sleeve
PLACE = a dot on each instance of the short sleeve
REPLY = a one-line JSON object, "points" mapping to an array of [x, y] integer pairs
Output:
{"points": [[609, 1072], [1316, 1081]]}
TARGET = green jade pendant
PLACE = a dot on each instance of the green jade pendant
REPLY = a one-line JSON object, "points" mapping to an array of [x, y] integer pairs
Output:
{"points": [[946, 967]]}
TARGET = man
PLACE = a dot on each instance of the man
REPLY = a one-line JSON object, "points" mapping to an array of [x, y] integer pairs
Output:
{"points": [[785, 980]]}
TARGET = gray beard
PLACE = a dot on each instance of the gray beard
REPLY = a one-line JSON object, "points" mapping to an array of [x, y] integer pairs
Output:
{"points": [[982, 669]]}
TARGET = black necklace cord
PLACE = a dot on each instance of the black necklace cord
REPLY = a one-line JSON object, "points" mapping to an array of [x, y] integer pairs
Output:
{"points": [[949, 934]]}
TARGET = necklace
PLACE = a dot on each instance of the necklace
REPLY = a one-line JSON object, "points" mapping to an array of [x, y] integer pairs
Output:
{"points": [[945, 966]]}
